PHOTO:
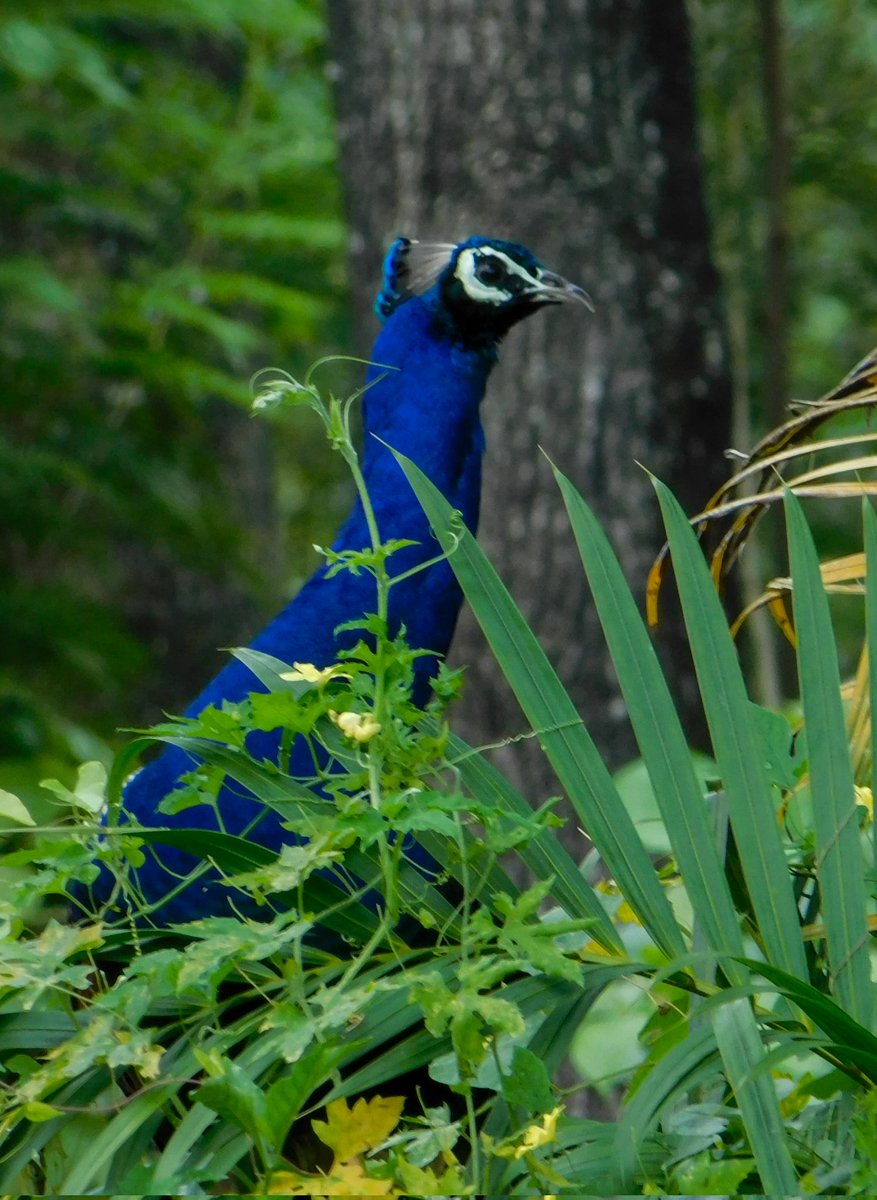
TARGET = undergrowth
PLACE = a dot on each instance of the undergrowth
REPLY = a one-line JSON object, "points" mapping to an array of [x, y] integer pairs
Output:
{"points": [[383, 1010]]}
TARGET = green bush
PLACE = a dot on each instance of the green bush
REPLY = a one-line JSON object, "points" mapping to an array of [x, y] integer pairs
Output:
{"points": [[204, 1054]]}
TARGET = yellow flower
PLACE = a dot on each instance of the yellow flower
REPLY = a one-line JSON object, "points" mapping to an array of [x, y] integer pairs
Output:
{"points": [[361, 727], [308, 673], [626, 915], [540, 1134]]}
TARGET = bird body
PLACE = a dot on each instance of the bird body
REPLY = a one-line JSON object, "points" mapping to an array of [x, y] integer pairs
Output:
{"points": [[429, 373]]}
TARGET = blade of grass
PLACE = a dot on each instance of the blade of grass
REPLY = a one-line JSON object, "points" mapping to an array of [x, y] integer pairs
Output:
{"points": [[551, 713], [735, 745], [659, 734], [742, 1053], [840, 865]]}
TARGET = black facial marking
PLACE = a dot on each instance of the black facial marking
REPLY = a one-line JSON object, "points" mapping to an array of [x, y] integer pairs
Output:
{"points": [[489, 270]]}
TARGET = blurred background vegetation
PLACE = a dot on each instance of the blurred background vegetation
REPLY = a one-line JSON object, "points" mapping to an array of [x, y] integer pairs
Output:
{"points": [[172, 222]]}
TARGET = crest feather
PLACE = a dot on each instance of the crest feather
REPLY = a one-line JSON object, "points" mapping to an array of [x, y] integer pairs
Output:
{"points": [[410, 269]]}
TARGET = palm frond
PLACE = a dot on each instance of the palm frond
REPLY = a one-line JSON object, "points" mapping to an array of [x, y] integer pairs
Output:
{"points": [[774, 465]]}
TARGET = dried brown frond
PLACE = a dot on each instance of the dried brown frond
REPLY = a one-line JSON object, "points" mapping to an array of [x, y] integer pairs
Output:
{"points": [[775, 466]]}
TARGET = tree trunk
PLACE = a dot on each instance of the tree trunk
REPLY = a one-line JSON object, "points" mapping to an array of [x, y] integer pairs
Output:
{"points": [[568, 126], [776, 301]]}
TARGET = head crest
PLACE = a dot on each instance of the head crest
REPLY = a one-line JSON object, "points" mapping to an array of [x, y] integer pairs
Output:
{"points": [[410, 269]]}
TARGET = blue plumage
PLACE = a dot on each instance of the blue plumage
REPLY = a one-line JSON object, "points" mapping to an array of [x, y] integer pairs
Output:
{"points": [[446, 309]]}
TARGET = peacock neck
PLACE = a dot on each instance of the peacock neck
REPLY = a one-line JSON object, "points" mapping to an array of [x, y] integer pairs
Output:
{"points": [[423, 401]]}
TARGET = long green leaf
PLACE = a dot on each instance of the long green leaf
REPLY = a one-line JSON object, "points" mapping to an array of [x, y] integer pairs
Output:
{"points": [[35, 1030], [551, 713], [840, 863], [685, 1066], [857, 1044], [735, 745], [659, 733], [742, 1053], [235, 854], [28, 1141]]}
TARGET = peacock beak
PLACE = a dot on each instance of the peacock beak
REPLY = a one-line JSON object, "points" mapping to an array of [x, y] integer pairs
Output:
{"points": [[554, 289]]}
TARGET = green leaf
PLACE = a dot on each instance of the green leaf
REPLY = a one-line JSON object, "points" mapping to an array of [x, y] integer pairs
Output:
{"points": [[840, 863], [735, 745], [551, 713], [35, 1110], [742, 1053], [708, 1176], [286, 1097], [856, 1045], [783, 754], [89, 793], [231, 1093], [687, 1065], [91, 1167], [12, 809], [527, 1084], [658, 730]]}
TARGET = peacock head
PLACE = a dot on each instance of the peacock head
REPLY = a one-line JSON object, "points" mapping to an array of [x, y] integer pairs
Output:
{"points": [[478, 289]]}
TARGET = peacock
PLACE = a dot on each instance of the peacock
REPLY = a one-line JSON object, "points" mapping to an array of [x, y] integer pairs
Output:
{"points": [[445, 310]]}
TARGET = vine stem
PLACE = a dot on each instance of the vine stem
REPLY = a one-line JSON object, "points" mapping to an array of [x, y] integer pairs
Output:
{"points": [[383, 582]]}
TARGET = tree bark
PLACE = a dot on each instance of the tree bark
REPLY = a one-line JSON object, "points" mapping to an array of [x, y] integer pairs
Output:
{"points": [[776, 301], [567, 125]]}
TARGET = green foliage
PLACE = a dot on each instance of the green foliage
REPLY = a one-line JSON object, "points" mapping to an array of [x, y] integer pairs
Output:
{"points": [[231, 1032], [249, 1055], [732, 1036], [830, 118], [170, 221]]}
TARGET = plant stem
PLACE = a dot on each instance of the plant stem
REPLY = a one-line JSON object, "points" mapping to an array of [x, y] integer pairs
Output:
{"points": [[375, 753]]}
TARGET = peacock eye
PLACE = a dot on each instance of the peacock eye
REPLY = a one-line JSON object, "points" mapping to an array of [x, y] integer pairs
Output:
{"points": [[488, 270]]}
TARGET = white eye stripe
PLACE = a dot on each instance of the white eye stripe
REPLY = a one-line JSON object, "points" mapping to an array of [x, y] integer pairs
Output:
{"points": [[478, 290]]}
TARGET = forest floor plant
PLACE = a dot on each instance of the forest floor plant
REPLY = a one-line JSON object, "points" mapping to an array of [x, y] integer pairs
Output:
{"points": [[412, 1047]]}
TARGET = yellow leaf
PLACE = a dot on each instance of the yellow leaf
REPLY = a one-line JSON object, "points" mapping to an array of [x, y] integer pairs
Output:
{"points": [[290, 1183], [351, 1131], [344, 1179], [540, 1134]]}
